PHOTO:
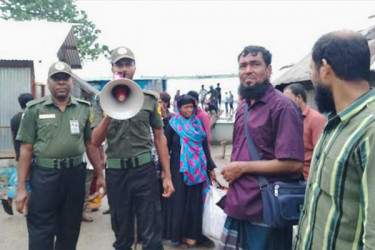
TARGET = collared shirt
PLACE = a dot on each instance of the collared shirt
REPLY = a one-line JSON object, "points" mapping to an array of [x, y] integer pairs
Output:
{"points": [[50, 130], [338, 212], [275, 126], [313, 124], [131, 137], [205, 119]]}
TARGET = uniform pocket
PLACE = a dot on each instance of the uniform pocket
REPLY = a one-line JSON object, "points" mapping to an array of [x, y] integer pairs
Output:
{"points": [[47, 129]]}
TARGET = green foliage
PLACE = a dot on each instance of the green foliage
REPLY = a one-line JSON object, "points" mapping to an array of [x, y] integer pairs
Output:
{"points": [[58, 11]]}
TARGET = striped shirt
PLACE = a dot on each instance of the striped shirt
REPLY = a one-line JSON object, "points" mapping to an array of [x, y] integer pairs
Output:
{"points": [[338, 212]]}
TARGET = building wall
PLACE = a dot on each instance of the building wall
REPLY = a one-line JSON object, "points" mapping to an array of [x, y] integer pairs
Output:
{"points": [[13, 81]]}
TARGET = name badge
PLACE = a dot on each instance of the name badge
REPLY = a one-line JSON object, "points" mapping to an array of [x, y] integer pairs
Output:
{"points": [[47, 116], [74, 127]]}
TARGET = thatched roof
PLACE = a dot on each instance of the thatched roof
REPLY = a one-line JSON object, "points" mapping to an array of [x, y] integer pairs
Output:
{"points": [[300, 72]]}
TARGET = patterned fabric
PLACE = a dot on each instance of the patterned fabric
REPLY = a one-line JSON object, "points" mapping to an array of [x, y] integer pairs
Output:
{"points": [[193, 162], [339, 212], [241, 235], [230, 236]]}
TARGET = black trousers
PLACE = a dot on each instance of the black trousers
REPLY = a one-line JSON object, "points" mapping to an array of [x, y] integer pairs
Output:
{"points": [[134, 192], [55, 207]]}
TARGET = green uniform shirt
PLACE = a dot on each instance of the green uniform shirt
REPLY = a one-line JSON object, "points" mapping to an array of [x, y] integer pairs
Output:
{"points": [[131, 137], [53, 133], [338, 212]]}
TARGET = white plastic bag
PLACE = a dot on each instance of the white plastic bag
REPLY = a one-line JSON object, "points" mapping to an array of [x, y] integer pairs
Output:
{"points": [[213, 216]]}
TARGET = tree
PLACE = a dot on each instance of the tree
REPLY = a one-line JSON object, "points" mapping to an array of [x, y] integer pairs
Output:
{"points": [[58, 11]]}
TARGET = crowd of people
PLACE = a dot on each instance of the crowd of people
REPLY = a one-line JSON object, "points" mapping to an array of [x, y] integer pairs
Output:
{"points": [[211, 99], [277, 137]]}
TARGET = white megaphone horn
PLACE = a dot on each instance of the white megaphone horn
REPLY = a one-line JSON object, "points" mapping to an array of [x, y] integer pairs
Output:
{"points": [[121, 99]]}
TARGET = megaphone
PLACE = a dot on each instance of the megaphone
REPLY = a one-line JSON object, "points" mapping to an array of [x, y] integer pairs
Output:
{"points": [[121, 99]]}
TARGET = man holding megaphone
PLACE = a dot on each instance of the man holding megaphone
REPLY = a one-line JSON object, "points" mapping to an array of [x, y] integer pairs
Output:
{"points": [[123, 115]]}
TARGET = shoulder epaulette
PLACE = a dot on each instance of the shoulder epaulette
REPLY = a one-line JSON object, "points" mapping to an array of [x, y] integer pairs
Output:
{"points": [[33, 102], [151, 93], [83, 101]]}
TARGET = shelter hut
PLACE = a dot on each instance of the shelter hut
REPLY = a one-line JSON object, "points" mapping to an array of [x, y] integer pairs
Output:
{"points": [[300, 72]]}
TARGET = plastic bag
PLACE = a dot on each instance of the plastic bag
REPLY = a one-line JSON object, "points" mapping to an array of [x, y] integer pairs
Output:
{"points": [[213, 216]]}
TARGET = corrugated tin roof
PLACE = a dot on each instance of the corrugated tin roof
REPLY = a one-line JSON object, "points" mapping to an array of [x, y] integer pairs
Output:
{"points": [[40, 42], [69, 51], [301, 71]]}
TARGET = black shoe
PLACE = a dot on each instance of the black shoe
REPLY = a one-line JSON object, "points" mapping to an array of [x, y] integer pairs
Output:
{"points": [[106, 211], [7, 206]]}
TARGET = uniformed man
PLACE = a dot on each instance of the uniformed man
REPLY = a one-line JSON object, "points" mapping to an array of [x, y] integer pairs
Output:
{"points": [[130, 175], [56, 131]]}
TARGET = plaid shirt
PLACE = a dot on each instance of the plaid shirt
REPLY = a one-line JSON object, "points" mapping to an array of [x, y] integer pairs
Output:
{"points": [[338, 212]]}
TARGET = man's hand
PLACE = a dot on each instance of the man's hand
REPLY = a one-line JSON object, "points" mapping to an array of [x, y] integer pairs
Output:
{"points": [[22, 199], [100, 184], [232, 172], [168, 188]]}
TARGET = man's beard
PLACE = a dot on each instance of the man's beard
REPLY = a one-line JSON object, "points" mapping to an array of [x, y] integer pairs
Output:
{"points": [[324, 99], [255, 91]]}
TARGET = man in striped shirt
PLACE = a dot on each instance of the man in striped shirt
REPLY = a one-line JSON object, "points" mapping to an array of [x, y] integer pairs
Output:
{"points": [[338, 212]]}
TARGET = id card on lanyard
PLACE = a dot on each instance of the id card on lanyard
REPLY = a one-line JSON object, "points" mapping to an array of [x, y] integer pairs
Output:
{"points": [[74, 127]]}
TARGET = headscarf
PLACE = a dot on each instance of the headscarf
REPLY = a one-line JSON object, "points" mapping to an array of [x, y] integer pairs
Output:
{"points": [[193, 162]]}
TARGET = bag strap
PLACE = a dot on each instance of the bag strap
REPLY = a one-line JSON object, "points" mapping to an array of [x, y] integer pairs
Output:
{"points": [[254, 155]]}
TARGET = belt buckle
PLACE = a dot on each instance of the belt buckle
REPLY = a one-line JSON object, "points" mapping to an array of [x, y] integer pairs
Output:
{"points": [[71, 162], [56, 164], [122, 163], [136, 162], [63, 163], [129, 163]]}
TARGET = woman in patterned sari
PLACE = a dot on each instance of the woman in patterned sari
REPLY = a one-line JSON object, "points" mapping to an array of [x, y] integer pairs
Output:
{"points": [[191, 169]]}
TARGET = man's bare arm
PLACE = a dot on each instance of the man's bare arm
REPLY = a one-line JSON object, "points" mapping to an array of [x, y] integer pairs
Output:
{"points": [[100, 132], [93, 154], [24, 163], [235, 169]]}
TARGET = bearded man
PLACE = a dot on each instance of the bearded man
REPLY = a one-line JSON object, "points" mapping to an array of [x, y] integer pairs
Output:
{"points": [[276, 128], [338, 210]]}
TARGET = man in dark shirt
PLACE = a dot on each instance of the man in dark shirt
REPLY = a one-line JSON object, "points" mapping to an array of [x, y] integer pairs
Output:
{"points": [[164, 104], [213, 100], [218, 90], [15, 122], [275, 126]]}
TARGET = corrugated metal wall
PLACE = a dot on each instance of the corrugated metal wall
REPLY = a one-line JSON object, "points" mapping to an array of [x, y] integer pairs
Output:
{"points": [[13, 81]]}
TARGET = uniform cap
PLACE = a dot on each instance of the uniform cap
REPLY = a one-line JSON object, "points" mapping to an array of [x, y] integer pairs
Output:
{"points": [[121, 52], [59, 67]]}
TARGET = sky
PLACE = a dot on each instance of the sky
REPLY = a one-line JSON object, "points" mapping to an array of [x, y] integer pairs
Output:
{"points": [[180, 38]]}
